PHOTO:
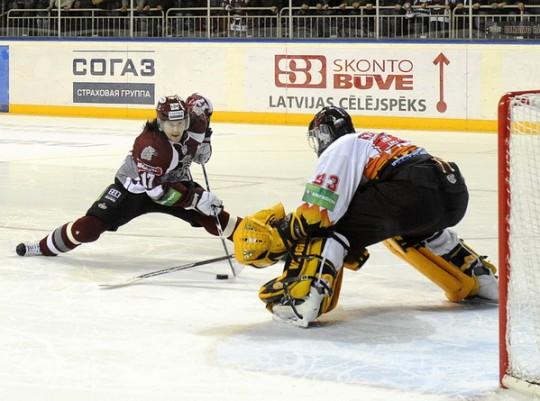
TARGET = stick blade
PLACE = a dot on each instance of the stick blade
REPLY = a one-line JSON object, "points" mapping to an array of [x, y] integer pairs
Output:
{"points": [[112, 286]]}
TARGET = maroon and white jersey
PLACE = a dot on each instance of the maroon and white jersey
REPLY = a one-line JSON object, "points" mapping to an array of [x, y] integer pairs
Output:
{"points": [[152, 157], [154, 160]]}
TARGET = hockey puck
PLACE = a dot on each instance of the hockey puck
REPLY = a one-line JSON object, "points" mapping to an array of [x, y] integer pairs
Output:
{"points": [[222, 276]]}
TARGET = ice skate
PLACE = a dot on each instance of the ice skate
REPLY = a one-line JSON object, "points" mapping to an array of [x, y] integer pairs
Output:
{"points": [[28, 249], [301, 314], [488, 284]]}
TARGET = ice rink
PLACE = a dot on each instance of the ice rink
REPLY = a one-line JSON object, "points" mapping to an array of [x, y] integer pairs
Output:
{"points": [[187, 336]]}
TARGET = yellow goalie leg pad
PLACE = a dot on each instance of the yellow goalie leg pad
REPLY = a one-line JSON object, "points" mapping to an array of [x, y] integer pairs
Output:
{"points": [[300, 274], [456, 284]]}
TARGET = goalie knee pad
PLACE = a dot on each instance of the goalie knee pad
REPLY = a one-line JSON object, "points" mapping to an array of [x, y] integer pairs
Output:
{"points": [[310, 283]]}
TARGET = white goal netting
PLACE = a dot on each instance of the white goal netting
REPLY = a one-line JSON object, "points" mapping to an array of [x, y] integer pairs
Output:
{"points": [[523, 302]]}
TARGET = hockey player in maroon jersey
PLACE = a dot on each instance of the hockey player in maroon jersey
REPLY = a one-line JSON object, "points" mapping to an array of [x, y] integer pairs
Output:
{"points": [[367, 187], [154, 177]]}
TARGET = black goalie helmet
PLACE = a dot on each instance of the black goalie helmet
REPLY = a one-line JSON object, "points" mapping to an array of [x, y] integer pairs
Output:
{"points": [[328, 125]]}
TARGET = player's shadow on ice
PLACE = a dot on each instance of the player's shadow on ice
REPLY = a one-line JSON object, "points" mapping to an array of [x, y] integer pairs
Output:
{"points": [[380, 324], [405, 347]]}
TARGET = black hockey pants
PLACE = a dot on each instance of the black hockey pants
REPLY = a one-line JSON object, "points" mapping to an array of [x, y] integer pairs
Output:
{"points": [[414, 201]]}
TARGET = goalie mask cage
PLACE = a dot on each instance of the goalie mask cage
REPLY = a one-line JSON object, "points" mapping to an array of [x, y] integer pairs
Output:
{"points": [[519, 238]]}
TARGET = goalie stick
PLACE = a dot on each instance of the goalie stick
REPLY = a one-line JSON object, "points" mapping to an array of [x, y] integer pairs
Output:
{"points": [[219, 228], [163, 271]]}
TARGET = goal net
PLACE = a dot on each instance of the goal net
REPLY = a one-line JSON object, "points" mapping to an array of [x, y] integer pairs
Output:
{"points": [[519, 240]]}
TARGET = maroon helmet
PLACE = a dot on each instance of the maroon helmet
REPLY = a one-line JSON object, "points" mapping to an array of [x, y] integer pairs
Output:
{"points": [[173, 117], [171, 108]]}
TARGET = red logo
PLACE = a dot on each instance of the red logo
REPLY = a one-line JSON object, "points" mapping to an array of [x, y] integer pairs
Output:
{"points": [[293, 71]]}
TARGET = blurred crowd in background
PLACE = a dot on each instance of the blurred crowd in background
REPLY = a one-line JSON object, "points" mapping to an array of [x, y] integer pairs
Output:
{"points": [[267, 18], [310, 7]]}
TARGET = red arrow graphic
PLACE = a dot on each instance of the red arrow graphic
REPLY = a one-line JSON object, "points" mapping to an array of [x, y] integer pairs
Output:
{"points": [[442, 61]]}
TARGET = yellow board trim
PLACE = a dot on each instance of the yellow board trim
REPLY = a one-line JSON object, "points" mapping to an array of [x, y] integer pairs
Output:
{"points": [[404, 123]]}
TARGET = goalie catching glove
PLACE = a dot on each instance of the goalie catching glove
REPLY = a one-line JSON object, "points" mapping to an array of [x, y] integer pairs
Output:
{"points": [[262, 239], [310, 283], [256, 240]]}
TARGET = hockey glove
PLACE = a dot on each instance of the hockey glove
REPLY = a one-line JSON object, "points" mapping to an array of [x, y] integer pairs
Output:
{"points": [[204, 151], [256, 240], [176, 194], [206, 203]]}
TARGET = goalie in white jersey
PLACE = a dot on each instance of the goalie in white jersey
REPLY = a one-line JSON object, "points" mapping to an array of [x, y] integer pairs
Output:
{"points": [[366, 188]]}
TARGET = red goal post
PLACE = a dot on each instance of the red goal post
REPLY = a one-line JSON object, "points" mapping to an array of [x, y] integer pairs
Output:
{"points": [[519, 218]]}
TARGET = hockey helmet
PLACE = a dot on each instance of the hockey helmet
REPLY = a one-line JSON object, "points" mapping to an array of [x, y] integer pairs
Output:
{"points": [[173, 117], [328, 125]]}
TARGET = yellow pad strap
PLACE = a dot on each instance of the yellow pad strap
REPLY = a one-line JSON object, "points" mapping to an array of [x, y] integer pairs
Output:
{"points": [[354, 261], [330, 303], [456, 284]]}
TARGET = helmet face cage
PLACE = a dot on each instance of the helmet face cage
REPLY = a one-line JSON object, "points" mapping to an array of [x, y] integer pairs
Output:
{"points": [[320, 138], [328, 125]]}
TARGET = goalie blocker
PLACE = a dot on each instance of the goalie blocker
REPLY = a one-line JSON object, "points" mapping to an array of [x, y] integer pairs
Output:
{"points": [[311, 280]]}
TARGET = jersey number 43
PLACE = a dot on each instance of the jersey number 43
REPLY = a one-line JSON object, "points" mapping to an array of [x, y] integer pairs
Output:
{"points": [[330, 182]]}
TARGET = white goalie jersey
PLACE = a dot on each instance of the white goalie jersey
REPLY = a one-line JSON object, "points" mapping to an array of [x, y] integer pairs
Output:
{"points": [[348, 162]]}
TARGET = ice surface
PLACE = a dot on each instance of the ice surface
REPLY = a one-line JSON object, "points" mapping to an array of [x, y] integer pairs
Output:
{"points": [[187, 336]]}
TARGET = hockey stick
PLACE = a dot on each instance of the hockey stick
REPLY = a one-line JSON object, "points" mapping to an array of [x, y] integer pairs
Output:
{"points": [[163, 271], [218, 225]]}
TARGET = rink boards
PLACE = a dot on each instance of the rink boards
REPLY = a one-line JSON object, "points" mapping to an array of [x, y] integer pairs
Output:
{"points": [[442, 85]]}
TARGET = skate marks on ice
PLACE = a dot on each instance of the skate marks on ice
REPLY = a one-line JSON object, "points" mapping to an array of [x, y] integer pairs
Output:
{"points": [[411, 348]]}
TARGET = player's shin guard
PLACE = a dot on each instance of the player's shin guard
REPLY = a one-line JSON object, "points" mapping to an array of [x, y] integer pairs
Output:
{"points": [[71, 235], [310, 283]]}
